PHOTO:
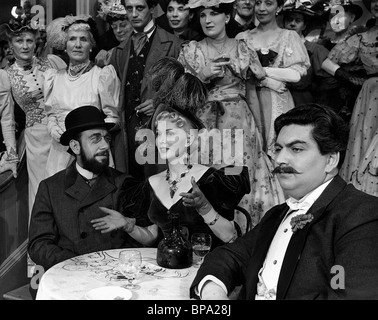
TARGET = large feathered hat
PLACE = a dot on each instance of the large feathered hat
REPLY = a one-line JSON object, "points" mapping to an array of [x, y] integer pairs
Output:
{"points": [[192, 4], [333, 6], [301, 6], [56, 30], [111, 9], [21, 21]]}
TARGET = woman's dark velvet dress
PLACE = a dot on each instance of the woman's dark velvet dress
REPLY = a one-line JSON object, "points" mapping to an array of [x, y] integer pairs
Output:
{"points": [[223, 191]]}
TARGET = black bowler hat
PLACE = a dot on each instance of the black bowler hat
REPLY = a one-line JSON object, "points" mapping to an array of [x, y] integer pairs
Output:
{"points": [[81, 119]]}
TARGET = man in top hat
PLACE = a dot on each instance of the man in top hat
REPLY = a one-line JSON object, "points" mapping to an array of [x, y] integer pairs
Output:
{"points": [[132, 60], [66, 202]]}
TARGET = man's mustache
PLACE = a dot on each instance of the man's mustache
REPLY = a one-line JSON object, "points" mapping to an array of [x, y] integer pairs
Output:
{"points": [[104, 153], [284, 170]]}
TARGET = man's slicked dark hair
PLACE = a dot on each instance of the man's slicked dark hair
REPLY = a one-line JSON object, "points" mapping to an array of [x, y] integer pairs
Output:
{"points": [[330, 131]]}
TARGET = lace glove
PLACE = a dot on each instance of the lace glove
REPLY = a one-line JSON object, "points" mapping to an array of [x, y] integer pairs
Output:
{"points": [[272, 84], [345, 76], [6, 165], [56, 133]]}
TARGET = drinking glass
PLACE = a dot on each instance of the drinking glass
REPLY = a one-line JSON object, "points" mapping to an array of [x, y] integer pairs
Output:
{"points": [[130, 262], [201, 244]]}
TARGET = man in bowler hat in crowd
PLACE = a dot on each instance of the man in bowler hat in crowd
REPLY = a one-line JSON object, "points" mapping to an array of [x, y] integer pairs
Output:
{"points": [[66, 202]]}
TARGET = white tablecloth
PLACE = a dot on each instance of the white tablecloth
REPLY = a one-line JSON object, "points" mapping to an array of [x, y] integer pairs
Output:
{"points": [[71, 279]]}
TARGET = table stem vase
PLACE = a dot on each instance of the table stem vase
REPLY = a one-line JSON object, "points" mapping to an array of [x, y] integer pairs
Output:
{"points": [[174, 250]]}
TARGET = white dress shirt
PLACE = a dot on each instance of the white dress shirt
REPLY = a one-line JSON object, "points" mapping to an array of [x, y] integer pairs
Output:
{"points": [[270, 271]]}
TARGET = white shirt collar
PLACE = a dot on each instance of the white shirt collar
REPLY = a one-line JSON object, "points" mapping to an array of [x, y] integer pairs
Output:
{"points": [[149, 26], [85, 173], [309, 199]]}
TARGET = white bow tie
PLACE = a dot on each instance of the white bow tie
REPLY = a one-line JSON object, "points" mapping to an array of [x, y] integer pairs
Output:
{"points": [[295, 205]]}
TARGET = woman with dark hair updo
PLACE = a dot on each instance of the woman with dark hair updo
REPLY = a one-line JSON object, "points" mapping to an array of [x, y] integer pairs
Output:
{"points": [[81, 84], [25, 80], [224, 64], [204, 197]]}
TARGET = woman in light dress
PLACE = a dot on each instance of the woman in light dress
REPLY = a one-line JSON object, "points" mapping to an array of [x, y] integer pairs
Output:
{"points": [[225, 64], [25, 79], [82, 83], [284, 58], [361, 161]]}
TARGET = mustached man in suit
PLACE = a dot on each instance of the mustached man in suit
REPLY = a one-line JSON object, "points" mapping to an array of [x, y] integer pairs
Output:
{"points": [[321, 243], [60, 225]]}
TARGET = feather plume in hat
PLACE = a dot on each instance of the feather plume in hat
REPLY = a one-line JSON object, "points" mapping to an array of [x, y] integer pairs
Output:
{"points": [[56, 29]]}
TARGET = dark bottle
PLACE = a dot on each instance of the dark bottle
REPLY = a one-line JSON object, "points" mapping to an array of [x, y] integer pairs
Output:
{"points": [[174, 250]]}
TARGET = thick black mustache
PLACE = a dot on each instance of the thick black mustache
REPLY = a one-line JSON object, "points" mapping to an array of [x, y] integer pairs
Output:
{"points": [[284, 170]]}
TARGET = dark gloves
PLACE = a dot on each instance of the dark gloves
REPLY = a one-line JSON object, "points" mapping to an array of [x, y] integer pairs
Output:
{"points": [[343, 76]]}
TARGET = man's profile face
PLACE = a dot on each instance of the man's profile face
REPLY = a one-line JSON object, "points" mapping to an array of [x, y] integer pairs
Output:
{"points": [[295, 148], [94, 150], [245, 8], [138, 13]]}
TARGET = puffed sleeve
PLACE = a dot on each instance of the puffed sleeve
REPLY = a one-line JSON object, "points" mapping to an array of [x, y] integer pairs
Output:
{"points": [[134, 201], [224, 189], [248, 59], [193, 60], [7, 112], [345, 51], [295, 54], [48, 87], [109, 89], [56, 62]]}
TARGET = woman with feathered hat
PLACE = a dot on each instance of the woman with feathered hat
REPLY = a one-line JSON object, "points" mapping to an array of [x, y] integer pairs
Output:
{"points": [[25, 77], [114, 13], [81, 83]]}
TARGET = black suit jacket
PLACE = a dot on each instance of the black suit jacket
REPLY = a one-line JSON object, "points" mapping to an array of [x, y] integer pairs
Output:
{"points": [[60, 225], [344, 232], [163, 45]]}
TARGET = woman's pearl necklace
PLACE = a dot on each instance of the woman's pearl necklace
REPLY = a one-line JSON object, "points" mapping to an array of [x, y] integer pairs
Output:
{"points": [[80, 67]]}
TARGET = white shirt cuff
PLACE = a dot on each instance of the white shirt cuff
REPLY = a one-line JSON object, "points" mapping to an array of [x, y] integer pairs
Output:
{"points": [[198, 289]]}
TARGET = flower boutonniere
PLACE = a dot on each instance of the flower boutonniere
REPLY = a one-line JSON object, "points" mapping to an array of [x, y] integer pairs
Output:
{"points": [[299, 221]]}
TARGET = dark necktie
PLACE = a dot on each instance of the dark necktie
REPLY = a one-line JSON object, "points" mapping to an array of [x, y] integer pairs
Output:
{"points": [[140, 39], [90, 182]]}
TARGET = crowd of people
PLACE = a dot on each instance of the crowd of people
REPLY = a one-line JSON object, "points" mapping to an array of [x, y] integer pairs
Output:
{"points": [[212, 105]]}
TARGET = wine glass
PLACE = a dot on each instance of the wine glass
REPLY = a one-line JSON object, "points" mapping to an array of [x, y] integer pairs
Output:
{"points": [[201, 244], [129, 264]]}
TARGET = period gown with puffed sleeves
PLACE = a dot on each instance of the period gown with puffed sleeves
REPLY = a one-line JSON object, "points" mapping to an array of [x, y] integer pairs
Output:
{"points": [[361, 161], [99, 87], [26, 83], [235, 121], [286, 51]]}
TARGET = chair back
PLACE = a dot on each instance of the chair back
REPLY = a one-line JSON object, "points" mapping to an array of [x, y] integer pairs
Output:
{"points": [[248, 219]]}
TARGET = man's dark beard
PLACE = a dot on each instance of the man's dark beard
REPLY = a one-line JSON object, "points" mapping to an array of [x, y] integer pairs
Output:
{"points": [[93, 165]]}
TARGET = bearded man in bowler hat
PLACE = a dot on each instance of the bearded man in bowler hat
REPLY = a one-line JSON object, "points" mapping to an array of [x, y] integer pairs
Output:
{"points": [[60, 226]]}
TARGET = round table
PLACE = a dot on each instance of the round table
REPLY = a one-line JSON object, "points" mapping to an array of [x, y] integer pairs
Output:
{"points": [[72, 278]]}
